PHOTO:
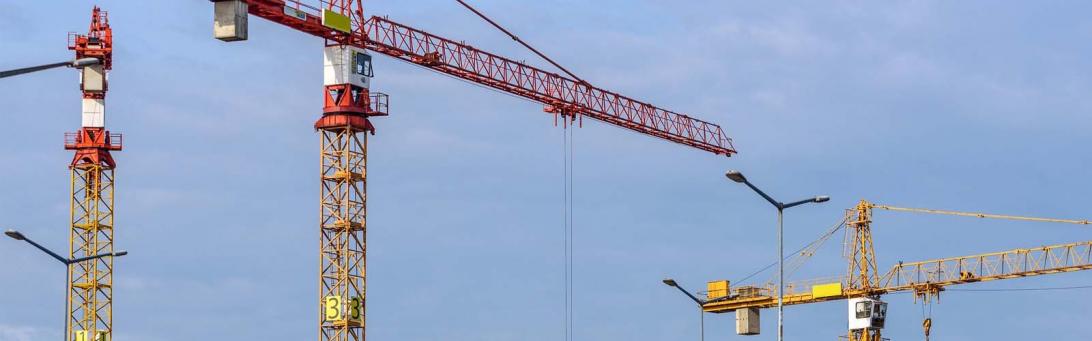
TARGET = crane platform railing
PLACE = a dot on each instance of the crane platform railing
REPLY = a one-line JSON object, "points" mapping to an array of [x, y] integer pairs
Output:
{"points": [[74, 140]]}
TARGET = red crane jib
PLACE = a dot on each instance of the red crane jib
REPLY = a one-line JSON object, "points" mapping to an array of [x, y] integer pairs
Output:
{"points": [[559, 94]]}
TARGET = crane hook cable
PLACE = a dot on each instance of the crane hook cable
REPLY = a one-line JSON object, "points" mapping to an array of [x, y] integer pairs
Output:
{"points": [[567, 152]]}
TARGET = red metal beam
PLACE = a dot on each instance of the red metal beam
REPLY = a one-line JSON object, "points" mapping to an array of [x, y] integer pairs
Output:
{"points": [[560, 94]]}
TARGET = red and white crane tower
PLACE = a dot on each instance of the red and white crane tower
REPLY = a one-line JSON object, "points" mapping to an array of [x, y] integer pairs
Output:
{"points": [[349, 106], [91, 283]]}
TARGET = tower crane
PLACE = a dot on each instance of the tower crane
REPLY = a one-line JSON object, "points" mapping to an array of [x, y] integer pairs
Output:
{"points": [[863, 284], [349, 105], [90, 287]]}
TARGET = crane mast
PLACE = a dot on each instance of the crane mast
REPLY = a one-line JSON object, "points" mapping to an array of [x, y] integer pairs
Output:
{"points": [[862, 266], [350, 104], [90, 285]]}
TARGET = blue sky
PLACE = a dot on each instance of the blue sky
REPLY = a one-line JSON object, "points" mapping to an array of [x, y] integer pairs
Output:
{"points": [[977, 106]]}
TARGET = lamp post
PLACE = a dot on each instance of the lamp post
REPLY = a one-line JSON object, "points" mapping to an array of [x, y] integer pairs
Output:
{"points": [[67, 263], [738, 177], [78, 63], [671, 283]]}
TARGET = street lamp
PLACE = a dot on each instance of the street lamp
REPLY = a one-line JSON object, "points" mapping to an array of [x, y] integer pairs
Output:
{"points": [[671, 283], [78, 63], [67, 262], [14, 234], [738, 177]]}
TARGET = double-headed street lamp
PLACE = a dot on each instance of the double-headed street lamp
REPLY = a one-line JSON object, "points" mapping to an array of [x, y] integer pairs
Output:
{"points": [[78, 63], [67, 263], [671, 283], [738, 177]]}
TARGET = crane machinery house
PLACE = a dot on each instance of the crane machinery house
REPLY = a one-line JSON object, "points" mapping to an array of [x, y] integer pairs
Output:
{"points": [[345, 64]]}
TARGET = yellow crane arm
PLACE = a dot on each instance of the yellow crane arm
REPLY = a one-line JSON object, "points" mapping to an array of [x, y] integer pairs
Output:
{"points": [[980, 215], [1016, 263], [926, 277]]}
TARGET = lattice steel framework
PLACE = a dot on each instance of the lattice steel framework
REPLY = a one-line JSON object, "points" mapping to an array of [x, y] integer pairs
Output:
{"points": [[929, 277], [342, 241], [91, 290], [560, 95], [862, 273], [865, 335]]}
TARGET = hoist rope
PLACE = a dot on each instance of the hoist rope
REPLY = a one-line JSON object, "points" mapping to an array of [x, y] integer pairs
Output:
{"points": [[567, 151]]}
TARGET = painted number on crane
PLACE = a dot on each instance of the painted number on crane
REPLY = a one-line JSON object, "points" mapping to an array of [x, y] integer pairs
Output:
{"points": [[335, 310], [354, 309], [83, 335]]}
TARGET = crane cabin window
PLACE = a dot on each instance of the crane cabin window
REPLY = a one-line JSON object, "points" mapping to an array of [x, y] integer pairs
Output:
{"points": [[863, 309], [362, 64]]}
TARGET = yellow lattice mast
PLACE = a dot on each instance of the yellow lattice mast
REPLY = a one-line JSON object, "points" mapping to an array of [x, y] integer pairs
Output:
{"points": [[862, 274], [91, 290], [91, 283], [862, 257], [342, 240]]}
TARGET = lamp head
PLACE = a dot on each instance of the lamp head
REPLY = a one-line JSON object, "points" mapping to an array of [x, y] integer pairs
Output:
{"points": [[15, 235], [120, 253], [822, 198], [85, 62], [735, 175], [670, 282]]}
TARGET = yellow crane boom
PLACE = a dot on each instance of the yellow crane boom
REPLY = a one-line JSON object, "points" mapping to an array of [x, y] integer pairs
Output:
{"points": [[988, 267], [921, 277]]}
